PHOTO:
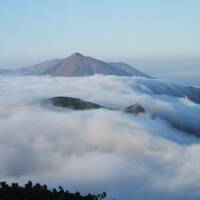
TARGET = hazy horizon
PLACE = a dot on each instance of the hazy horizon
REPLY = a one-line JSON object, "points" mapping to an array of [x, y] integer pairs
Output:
{"points": [[183, 70]]}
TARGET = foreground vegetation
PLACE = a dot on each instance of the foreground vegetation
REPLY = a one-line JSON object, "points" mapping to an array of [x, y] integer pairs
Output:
{"points": [[41, 192]]}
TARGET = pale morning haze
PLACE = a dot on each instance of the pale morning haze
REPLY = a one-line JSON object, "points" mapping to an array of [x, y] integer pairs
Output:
{"points": [[99, 100]]}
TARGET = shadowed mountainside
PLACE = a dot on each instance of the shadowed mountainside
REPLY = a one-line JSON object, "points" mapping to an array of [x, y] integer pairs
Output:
{"points": [[72, 103]]}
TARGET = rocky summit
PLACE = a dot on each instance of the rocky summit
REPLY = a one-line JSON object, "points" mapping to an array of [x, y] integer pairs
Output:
{"points": [[135, 109]]}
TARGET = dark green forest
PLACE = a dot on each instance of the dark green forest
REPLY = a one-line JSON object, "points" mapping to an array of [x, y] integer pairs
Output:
{"points": [[37, 191]]}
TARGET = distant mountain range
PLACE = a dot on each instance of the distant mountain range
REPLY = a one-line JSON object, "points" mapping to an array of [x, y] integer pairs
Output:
{"points": [[76, 65]]}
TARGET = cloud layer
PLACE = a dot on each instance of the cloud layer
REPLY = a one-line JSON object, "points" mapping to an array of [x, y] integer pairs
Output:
{"points": [[129, 157]]}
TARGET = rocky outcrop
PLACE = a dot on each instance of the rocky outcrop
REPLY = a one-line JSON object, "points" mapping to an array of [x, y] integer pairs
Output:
{"points": [[79, 104], [72, 103], [135, 109]]}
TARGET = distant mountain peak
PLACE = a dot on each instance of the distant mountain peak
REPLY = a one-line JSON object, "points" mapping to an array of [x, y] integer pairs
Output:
{"points": [[76, 54], [79, 65]]}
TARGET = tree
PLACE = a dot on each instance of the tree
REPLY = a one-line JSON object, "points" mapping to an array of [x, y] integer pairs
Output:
{"points": [[28, 185], [41, 192]]}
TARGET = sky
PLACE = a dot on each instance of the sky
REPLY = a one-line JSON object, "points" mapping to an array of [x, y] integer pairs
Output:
{"points": [[129, 30]]}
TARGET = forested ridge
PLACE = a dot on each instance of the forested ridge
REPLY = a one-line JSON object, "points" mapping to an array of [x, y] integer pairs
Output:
{"points": [[29, 191]]}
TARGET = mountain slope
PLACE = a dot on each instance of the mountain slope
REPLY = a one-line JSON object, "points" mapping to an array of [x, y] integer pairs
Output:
{"points": [[129, 69], [42, 68], [79, 65]]}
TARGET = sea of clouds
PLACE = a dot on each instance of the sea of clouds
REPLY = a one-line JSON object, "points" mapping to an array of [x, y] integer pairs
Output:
{"points": [[130, 157]]}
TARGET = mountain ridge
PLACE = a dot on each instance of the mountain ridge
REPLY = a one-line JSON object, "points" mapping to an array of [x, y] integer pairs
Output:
{"points": [[79, 65]]}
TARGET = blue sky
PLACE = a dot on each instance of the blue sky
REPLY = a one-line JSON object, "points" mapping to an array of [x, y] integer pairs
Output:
{"points": [[36, 30]]}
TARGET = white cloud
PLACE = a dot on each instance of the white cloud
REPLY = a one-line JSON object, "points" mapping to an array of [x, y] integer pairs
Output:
{"points": [[129, 157]]}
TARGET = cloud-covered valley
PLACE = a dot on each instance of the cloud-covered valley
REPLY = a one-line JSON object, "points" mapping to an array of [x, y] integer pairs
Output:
{"points": [[152, 156]]}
